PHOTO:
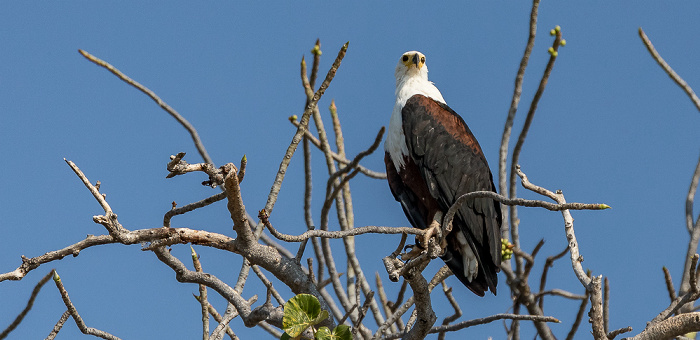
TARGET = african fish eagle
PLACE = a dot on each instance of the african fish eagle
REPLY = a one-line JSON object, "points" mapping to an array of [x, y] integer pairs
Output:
{"points": [[432, 158]]}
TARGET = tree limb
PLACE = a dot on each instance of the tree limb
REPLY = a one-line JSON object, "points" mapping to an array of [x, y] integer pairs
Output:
{"points": [[193, 132]]}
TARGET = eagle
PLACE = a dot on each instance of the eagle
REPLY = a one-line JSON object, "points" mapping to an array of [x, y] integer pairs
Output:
{"points": [[432, 158]]}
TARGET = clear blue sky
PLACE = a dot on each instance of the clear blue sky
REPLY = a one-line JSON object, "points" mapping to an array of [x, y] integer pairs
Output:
{"points": [[611, 128]]}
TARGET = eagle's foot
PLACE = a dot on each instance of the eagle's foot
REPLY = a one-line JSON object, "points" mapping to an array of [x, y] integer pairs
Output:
{"points": [[413, 253], [435, 229]]}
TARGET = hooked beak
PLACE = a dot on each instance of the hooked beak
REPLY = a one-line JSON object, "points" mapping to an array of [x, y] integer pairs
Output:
{"points": [[416, 60]]}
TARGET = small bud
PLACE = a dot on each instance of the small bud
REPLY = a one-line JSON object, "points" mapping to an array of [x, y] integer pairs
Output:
{"points": [[563, 42], [293, 118], [552, 32], [557, 28]]}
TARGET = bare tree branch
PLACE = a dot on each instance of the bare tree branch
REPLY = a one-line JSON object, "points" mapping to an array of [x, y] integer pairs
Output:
{"points": [[596, 313], [190, 207], [606, 305], [425, 316], [277, 184], [57, 328], [669, 284], [455, 306], [193, 132], [562, 293], [337, 157], [250, 317], [671, 73], [617, 332], [202, 298], [693, 228], [30, 303], [481, 321], [674, 326], [692, 189], [514, 230], [579, 317], [548, 264], [340, 234], [74, 313], [517, 92], [440, 276]]}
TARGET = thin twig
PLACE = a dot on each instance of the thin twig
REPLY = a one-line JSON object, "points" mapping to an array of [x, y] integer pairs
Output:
{"points": [[57, 328], [230, 313], [347, 220], [669, 284], [180, 119], [336, 157], [576, 258], [384, 300], [190, 207], [692, 189], [681, 300], [606, 304], [617, 332], [518, 202], [561, 293], [242, 276], [333, 190], [28, 307], [217, 317], [202, 298], [669, 71], [529, 264], [548, 264], [481, 321], [324, 234], [268, 284], [695, 232], [458, 311], [93, 189], [154, 236], [250, 317], [579, 316], [277, 184], [74, 313], [514, 230], [517, 92], [593, 287]]}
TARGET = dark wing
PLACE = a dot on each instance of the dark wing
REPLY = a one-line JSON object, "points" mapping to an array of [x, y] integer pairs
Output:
{"points": [[452, 164]]}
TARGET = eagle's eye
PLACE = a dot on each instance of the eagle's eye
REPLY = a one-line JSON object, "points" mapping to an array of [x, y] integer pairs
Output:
{"points": [[405, 58], [422, 59]]}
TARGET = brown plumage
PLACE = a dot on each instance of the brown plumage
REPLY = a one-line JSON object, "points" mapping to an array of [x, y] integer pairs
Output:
{"points": [[445, 161]]}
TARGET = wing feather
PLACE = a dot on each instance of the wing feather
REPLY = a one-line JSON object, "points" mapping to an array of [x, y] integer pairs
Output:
{"points": [[451, 163]]}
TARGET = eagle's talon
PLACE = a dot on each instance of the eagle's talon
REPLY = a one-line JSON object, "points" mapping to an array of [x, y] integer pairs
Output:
{"points": [[413, 253]]}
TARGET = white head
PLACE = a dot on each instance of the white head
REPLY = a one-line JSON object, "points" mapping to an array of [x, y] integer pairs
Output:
{"points": [[411, 64], [411, 79]]}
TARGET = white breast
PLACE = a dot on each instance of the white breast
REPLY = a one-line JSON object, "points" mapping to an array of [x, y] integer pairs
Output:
{"points": [[395, 143]]}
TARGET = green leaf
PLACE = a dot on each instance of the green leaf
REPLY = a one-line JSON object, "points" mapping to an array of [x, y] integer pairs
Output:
{"points": [[285, 336], [323, 333], [342, 332], [300, 312]]}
